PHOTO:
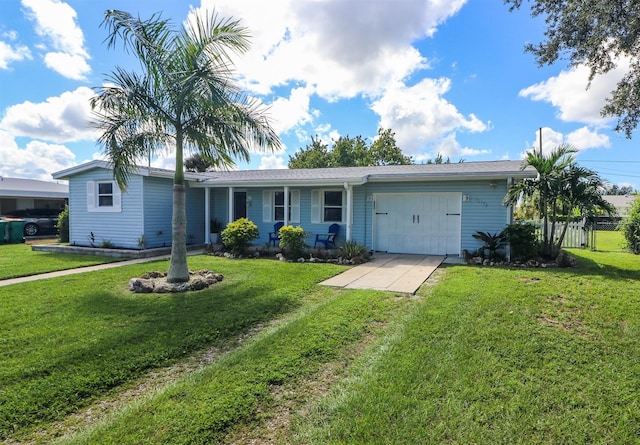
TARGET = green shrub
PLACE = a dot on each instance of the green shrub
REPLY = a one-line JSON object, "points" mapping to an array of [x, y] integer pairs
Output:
{"points": [[351, 250], [492, 242], [292, 241], [630, 227], [63, 225], [523, 240], [238, 235]]}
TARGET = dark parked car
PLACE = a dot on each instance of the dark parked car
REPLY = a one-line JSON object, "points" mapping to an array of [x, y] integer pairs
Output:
{"points": [[37, 221]]}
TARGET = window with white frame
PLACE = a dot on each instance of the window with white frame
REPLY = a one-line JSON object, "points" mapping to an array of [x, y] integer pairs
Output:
{"points": [[103, 196], [327, 206], [273, 206], [332, 206]]}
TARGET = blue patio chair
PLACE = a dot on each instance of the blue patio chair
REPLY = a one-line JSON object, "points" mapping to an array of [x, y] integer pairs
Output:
{"points": [[275, 235], [328, 238]]}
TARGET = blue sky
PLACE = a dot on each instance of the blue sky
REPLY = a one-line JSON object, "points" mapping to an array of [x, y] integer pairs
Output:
{"points": [[447, 77]]}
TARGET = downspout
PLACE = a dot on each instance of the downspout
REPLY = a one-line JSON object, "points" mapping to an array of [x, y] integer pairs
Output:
{"points": [[349, 219], [230, 216], [207, 216]]}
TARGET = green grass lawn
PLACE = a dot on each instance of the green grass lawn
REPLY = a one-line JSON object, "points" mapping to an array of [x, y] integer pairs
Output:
{"points": [[609, 240], [18, 260], [482, 355]]}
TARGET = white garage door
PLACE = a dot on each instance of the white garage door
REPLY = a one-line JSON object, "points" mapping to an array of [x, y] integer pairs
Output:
{"points": [[420, 223]]}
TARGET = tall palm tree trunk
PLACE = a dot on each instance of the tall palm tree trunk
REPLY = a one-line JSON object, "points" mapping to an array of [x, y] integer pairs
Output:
{"points": [[178, 269]]}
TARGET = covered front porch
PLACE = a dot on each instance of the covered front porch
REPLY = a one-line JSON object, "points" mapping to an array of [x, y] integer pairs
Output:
{"points": [[313, 207]]}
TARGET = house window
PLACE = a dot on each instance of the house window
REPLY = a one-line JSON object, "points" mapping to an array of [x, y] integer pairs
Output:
{"points": [[105, 194], [278, 206], [327, 206], [273, 206], [332, 206]]}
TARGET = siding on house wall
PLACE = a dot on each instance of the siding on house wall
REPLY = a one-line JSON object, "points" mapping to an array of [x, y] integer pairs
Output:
{"points": [[122, 229], [158, 205], [195, 216], [158, 211], [483, 211], [218, 206]]}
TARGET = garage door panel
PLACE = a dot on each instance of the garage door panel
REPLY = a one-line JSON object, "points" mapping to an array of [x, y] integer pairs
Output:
{"points": [[420, 223]]}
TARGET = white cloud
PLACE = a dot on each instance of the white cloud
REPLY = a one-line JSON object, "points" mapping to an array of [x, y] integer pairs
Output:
{"points": [[292, 111], [421, 117], [584, 138], [449, 147], [340, 49], [56, 22], [569, 94], [10, 54], [63, 118], [37, 160], [272, 162], [581, 139], [71, 66]]}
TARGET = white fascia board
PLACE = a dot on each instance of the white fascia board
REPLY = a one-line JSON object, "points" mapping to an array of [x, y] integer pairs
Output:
{"points": [[272, 184]]}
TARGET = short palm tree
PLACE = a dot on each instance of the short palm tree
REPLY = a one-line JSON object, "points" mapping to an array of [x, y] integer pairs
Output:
{"points": [[563, 190], [184, 99]]}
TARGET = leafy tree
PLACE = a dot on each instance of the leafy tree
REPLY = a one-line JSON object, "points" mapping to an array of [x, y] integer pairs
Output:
{"points": [[620, 190], [630, 227], [439, 159], [596, 34], [384, 151], [563, 191], [316, 155], [196, 163], [184, 98], [351, 152]]}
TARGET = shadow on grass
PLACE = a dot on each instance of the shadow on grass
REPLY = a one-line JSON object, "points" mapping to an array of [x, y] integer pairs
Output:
{"points": [[612, 265], [115, 338]]}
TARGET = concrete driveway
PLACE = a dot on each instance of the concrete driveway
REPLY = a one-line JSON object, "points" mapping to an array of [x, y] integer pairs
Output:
{"points": [[390, 272]]}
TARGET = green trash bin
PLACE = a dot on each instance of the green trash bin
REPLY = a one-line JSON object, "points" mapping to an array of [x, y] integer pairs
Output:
{"points": [[15, 231], [3, 231]]}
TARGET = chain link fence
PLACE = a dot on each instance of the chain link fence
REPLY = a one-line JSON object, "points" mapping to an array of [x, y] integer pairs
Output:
{"points": [[606, 237]]}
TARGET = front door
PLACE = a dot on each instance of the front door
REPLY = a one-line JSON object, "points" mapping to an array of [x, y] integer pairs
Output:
{"points": [[239, 205]]}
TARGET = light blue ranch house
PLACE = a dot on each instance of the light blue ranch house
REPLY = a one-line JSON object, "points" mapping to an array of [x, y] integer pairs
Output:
{"points": [[416, 209]]}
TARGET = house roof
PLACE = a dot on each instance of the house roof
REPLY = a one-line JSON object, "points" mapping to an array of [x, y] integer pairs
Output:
{"points": [[622, 203], [362, 175], [32, 188], [141, 170], [331, 176]]}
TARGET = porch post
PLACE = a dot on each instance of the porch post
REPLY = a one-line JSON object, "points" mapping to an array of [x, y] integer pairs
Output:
{"points": [[286, 205], [230, 204], [349, 219], [207, 216]]}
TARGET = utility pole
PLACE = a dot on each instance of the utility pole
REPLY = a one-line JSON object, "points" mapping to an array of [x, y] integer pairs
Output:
{"points": [[540, 141]]}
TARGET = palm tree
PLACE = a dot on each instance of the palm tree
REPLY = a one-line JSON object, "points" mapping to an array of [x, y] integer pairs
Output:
{"points": [[184, 99], [563, 191]]}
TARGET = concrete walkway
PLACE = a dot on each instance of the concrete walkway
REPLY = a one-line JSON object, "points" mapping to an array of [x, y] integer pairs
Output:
{"points": [[390, 272], [84, 269]]}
